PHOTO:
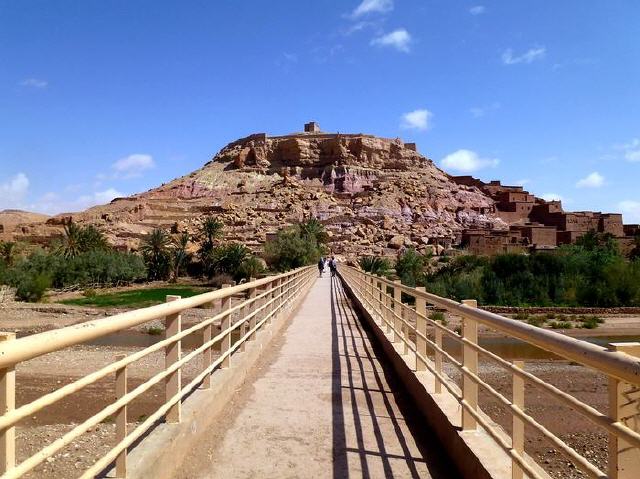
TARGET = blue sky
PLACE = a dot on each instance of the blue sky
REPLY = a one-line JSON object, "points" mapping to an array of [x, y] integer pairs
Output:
{"points": [[103, 98]]}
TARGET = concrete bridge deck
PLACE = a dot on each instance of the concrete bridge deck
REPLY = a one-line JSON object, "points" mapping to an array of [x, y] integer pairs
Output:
{"points": [[320, 404]]}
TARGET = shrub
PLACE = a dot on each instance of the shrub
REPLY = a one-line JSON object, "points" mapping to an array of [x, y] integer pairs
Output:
{"points": [[550, 316], [155, 330], [521, 316], [89, 293], [537, 321], [31, 286], [291, 250], [251, 267], [561, 325]]}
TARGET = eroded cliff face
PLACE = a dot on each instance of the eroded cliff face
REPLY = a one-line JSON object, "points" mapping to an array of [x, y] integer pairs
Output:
{"points": [[375, 196]]}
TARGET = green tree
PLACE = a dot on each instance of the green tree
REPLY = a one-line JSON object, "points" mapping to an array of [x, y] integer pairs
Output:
{"points": [[155, 250], [228, 258], [8, 252], [210, 230], [289, 250], [314, 230], [375, 265], [80, 239], [410, 267], [179, 254], [251, 267]]}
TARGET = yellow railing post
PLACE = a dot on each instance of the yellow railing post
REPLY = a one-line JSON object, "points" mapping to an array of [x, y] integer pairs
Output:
{"points": [[275, 285], [517, 434], [206, 356], [470, 363], [437, 362], [624, 406], [172, 326], [252, 308], [421, 328], [121, 418], [7, 404], [225, 324], [397, 323]]}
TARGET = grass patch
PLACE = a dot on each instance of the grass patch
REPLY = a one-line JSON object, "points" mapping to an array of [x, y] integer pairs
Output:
{"points": [[134, 297], [154, 331], [536, 321], [561, 325]]}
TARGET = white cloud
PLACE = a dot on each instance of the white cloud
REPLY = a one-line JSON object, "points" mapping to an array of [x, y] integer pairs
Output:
{"points": [[522, 182], [480, 111], [536, 53], [133, 165], [593, 180], [398, 39], [417, 120], [467, 161], [13, 191], [372, 6], [34, 83], [631, 150], [552, 197], [100, 197], [630, 210], [52, 203], [477, 10]]}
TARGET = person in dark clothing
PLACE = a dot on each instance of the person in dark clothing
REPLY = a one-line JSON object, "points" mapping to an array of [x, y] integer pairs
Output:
{"points": [[333, 266], [321, 267]]}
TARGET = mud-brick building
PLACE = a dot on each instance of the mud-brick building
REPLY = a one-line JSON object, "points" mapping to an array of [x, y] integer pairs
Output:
{"points": [[535, 223]]}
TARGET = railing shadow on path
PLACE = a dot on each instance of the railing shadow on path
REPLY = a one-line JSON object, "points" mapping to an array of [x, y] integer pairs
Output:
{"points": [[358, 373]]}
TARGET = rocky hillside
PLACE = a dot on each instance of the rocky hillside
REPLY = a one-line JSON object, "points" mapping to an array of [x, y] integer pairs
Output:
{"points": [[375, 195]]}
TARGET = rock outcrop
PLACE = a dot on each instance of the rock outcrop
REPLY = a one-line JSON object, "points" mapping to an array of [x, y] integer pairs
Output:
{"points": [[375, 195]]}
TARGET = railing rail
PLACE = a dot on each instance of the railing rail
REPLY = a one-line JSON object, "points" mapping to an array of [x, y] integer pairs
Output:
{"points": [[265, 300], [383, 300]]}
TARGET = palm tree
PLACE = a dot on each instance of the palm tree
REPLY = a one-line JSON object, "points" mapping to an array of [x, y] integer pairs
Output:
{"points": [[78, 239], [313, 229], [8, 252], [155, 250], [72, 239], [211, 229], [375, 265], [179, 254]]}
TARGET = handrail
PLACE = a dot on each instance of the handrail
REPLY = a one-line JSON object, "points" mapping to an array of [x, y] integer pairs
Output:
{"points": [[619, 365], [278, 296], [30, 347], [397, 319]]}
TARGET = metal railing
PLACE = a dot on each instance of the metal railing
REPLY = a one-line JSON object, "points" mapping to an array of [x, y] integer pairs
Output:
{"points": [[264, 300], [421, 338]]}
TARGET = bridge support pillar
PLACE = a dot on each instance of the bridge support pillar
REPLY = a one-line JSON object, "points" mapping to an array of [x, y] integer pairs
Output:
{"points": [[172, 386], [624, 404], [7, 404], [470, 362]]}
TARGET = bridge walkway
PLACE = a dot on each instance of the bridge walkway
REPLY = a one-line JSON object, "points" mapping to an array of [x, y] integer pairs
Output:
{"points": [[320, 405]]}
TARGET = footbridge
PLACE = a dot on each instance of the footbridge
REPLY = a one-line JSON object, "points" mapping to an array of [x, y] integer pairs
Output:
{"points": [[298, 376]]}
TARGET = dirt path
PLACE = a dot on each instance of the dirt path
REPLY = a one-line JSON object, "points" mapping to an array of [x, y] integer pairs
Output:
{"points": [[323, 406]]}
